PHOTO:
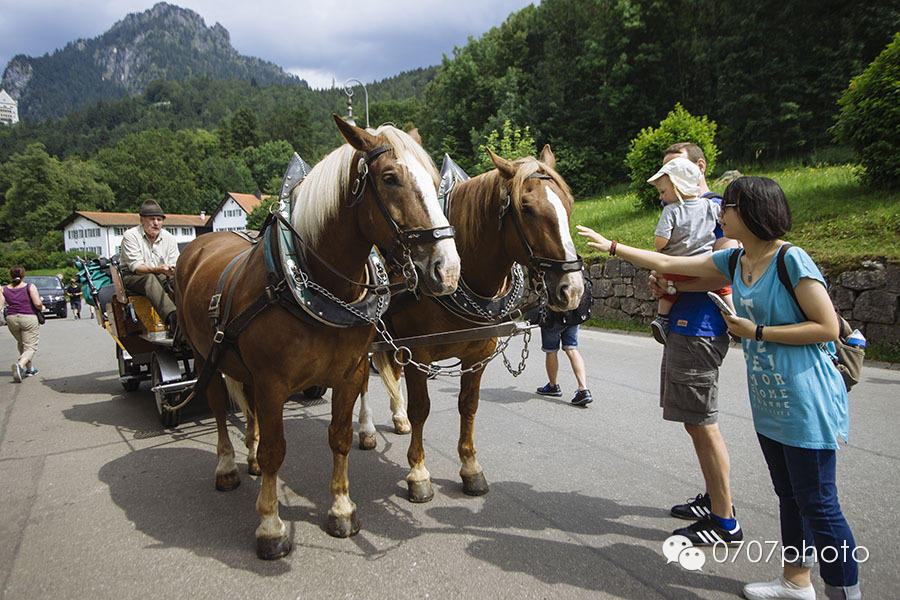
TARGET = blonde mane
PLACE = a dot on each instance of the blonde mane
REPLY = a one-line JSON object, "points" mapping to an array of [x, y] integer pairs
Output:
{"points": [[318, 198], [484, 191]]}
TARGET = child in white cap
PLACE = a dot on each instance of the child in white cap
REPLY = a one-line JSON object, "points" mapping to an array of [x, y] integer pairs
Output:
{"points": [[686, 227]]}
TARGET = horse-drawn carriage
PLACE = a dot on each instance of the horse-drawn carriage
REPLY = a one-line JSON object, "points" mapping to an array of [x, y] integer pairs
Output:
{"points": [[143, 350]]}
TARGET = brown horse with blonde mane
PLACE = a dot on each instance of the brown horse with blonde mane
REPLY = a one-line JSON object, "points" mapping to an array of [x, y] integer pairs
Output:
{"points": [[516, 213], [378, 189]]}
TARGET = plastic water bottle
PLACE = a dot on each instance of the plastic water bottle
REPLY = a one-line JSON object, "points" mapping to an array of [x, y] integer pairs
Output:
{"points": [[856, 338]]}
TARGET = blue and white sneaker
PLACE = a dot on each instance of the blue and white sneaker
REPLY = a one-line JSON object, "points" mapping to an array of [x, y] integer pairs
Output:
{"points": [[551, 389]]}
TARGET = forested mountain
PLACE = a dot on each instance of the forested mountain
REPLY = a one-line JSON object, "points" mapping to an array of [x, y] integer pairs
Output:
{"points": [[164, 42]]}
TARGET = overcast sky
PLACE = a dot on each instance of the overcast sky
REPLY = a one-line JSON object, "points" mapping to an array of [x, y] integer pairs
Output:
{"points": [[318, 40]]}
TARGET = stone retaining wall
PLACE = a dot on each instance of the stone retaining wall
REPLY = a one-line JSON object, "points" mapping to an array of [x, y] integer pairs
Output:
{"points": [[869, 297]]}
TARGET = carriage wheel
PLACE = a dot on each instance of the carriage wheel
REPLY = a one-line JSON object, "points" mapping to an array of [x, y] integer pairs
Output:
{"points": [[129, 382], [315, 392], [169, 418]]}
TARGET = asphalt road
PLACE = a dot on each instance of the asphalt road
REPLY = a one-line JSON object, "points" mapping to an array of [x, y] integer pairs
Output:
{"points": [[99, 501]]}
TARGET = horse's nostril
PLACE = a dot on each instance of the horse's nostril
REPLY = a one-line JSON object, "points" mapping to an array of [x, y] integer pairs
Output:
{"points": [[564, 294], [438, 265]]}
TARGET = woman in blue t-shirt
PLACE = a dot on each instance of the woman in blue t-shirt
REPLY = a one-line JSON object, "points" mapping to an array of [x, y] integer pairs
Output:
{"points": [[797, 396]]}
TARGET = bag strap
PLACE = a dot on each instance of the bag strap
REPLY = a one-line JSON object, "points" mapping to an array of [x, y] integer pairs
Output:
{"points": [[783, 276], [733, 261]]}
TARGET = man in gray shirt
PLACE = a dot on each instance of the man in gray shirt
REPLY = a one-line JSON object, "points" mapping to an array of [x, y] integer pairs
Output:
{"points": [[147, 257]]}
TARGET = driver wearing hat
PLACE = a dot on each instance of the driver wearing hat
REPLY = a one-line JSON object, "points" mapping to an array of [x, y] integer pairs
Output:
{"points": [[147, 258]]}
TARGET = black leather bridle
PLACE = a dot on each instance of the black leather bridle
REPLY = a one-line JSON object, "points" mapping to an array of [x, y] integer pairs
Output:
{"points": [[538, 263], [402, 239]]}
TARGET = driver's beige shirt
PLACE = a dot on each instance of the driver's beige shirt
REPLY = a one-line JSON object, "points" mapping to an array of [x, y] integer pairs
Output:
{"points": [[136, 249]]}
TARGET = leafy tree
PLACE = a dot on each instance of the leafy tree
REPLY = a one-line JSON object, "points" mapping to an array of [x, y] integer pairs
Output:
{"points": [[258, 216], [647, 149], [267, 163], [42, 192], [511, 144], [150, 164], [869, 118]]}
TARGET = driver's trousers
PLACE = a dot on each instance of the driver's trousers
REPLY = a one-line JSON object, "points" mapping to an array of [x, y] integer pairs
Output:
{"points": [[154, 288]]}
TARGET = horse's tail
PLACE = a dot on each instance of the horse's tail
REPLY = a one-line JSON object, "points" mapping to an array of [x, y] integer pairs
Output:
{"points": [[236, 394], [386, 366]]}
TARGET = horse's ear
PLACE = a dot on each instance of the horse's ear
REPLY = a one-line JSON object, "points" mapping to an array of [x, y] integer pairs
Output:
{"points": [[357, 137], [506, 168], [547, 157], [414, 134]]}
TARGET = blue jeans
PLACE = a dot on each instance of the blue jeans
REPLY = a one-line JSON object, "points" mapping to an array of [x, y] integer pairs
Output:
{"points": [[552, 335], [804, 481]]}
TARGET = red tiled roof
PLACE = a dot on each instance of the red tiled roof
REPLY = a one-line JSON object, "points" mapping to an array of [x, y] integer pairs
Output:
{"points": [[247, 201], [120, 219]]}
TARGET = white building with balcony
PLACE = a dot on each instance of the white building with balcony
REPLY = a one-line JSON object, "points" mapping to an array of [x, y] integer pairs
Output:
{"points": [[9, 109]]}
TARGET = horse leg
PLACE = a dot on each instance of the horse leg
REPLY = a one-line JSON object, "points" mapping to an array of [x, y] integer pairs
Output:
{"points": [[227, 477], [367, 440], [240, 394], [419, 479], [390, 375], [474, 483], [342, 518], [271, 538]]}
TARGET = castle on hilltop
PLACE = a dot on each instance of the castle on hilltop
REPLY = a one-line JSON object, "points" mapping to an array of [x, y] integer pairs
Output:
{"points": [[9, 109]]}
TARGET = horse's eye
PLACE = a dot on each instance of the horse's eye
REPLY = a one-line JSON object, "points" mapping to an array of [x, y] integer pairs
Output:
{"points": [[390, 179]]}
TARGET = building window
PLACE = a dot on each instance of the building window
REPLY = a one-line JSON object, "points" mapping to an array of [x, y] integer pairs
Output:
{"points": [[119, 231], [186, 231], [172, 230]]}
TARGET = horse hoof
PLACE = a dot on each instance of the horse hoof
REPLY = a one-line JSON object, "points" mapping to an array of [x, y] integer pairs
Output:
{"points": [[273, 548], [401, 426], [420, 491], [253, 468], [228, 481], [367, 441], [342, 527], [475, 485]]}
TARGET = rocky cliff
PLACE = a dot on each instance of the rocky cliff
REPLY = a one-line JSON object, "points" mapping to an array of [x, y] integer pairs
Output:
{"points": [[164, 42]]}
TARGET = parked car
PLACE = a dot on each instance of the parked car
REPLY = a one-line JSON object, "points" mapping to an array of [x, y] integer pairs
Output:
{"points": [[52, 294]]}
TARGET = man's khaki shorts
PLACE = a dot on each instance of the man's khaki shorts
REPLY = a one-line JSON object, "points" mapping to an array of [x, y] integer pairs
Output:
{"points": [[689, 378]]}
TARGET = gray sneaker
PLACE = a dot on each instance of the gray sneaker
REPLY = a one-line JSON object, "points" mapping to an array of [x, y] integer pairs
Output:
{"points": [[31, 371], [17, 373]]}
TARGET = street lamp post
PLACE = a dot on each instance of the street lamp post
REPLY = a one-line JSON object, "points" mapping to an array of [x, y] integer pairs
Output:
{"points": [[348, 89]]}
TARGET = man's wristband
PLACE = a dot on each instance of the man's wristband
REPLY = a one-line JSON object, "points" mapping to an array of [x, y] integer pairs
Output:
{"points": [[612, 248], [759, 331]]}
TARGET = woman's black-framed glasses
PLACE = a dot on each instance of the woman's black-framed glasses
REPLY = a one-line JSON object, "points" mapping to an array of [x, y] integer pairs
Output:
{"points": [[720, 209]]}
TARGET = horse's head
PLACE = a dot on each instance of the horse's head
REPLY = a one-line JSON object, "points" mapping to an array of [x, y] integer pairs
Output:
{"points": [[536, 206], [395, 185]]}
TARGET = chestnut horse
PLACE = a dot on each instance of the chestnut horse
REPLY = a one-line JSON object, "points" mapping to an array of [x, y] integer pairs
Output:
{"points": [[518, 212], [379, 189]]}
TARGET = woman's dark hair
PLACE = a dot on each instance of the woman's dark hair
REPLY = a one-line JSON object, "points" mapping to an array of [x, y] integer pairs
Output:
{"points": [[762, 206], [17, 272]]}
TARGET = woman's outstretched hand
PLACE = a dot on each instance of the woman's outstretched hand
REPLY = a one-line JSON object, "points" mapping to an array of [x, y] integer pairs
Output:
{"points": [[596, 240]]}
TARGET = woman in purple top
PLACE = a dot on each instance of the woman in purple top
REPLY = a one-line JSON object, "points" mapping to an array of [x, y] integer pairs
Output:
{"points": [[20, 300]]}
